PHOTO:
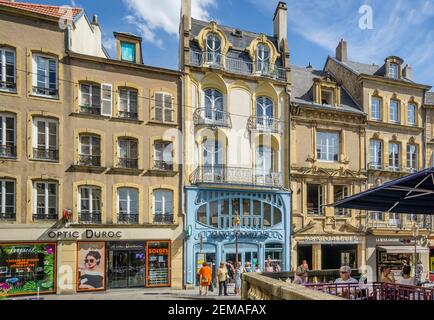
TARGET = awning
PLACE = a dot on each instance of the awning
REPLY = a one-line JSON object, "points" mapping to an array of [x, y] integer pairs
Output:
{"points": [[404, 249]]}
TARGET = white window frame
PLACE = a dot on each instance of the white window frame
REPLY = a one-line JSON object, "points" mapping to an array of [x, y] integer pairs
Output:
{"points": [[3, 195], [3, 67], [341, 212], [46, 201], [398, 111], [3, 117], [321, 199], [163, 108], [91, 89], [393, 71], [91, 188], [47, 131], [106, 103], [128, 106], [263, 57], [412, 164], [129, 140], [328, 146], [411, 106], [163, 151], [164, 201], [92, 138], [129, 200], [47, 72], [374, 145], [392, 156], [373, 114]]}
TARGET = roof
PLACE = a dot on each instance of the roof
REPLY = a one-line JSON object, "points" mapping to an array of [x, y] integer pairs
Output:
{"points": [[48, 10], [429, 98], [302, 84]]}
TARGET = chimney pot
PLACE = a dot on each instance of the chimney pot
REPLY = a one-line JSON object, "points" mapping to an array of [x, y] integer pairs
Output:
{"points": [[407, 72], [95, 20], [342, 51]]}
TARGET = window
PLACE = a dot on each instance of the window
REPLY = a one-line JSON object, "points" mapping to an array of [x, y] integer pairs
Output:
{"points": [[163, 155], [327, 97], [376, 154], [393, 71], [394, 111], [263, 59], [213, 49], [45, 201], [90, 98], [394, 154], [7, 70], [394, 219], [213, 105], [163, 206], [163, 107], [45, 81], [45, 139], [265, 112], [90, 150], [315, 199], [212, 161], [128, 51], [7, 136], [264, 160], [128, 205], [411, 114], [339, 193], [89, 204], [376, 109], [128, 154], [412, 157], [7, 199], [327, 146], [128, 103], [376, 216]]}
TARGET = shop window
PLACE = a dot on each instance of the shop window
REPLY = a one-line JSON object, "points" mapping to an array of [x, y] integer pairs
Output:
{"points": [[224, 215], [277, 216], [158, 264], [213, 208], [315, 199], [274, 253], [335, 256], [202, 214], [267, 215]]}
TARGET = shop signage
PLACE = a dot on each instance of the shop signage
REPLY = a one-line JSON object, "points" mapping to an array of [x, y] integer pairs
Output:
{"points": [[394, 240], [333, 239], [225, 235], [88, 234]]}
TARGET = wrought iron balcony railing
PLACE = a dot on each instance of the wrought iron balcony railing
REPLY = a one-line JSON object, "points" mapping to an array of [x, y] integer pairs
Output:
{"points": [[163, 165], [315, 211], [89, 161], [89, 217], [265, 124], [128, 115], [9, 86], [127, 163], [212, 117], [412, 169], [132, 218], [237, 65], [7, 216], [8, 151], [46, 154], [43, 91], [163, 219], [45, 217], [220, 174], [386, 167], [399, 221], [87, 109]]}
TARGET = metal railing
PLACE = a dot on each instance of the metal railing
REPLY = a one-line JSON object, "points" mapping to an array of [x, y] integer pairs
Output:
{"points": [[45, 154], [163, 219], [342, 212], [43, 91], [386, 167], [128, 115], [236, 65], [163, 165], [315, 211], [220, 174], [128, 163], [212, 117], [7, 85], [401, 222], [8, 151], [87, 109], [7, 216], [45, 217], [265, 124], [131, 218], [89, 161], [89, 218]]}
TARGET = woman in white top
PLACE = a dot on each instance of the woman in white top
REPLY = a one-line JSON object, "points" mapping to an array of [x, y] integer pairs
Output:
{"points": [[406, 279]]}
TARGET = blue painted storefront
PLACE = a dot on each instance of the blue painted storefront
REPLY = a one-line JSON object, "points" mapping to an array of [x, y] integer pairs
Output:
{"points": [[264, 230]]}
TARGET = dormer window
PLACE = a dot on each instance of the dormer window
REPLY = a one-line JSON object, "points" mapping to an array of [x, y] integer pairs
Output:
{"points": [[327, 97], [263, 59], [213, 49], [128, 51], [393, 71]]}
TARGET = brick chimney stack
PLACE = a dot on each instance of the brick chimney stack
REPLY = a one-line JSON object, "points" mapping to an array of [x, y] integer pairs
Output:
{"points": [[281, 22], [342, 51]]}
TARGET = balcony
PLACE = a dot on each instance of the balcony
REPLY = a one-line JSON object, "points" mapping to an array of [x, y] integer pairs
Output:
{"points": [[7, 216], [89, 161], [163, 165], [400, 222], [212, 117], [8, 151], [220, 174], [89, 218], [125, 218], [163, 219], [93, 110], [265, 124], [236, 65], [8, 86], [128, 115], [128, 163], [45, 217], [373, 166], [45, 154], [48, 92]]}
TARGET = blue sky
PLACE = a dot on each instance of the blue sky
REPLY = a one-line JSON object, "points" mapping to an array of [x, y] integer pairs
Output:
{"points": [[400, 27]]}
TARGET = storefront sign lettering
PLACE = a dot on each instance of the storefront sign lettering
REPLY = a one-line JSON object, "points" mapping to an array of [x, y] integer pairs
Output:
{"points": [[225, 235], [87, 234], [335, 239], [158, 251]]}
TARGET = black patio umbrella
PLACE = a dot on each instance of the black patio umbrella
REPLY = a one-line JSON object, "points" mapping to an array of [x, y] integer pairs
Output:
{"points": [[413, 194]]}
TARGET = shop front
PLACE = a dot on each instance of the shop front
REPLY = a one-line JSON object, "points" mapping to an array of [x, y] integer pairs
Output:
{"points": [[222, 223]]}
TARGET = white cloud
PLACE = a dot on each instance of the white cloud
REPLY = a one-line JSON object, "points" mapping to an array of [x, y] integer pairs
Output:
{"points": [[151, 16]]}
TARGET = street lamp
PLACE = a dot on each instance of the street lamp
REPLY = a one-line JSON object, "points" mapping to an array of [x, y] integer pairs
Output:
{"points": [[415, 230], [236, 227]]}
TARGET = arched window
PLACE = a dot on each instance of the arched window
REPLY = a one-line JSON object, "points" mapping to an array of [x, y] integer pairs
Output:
{"points": [[213, 105], [263, 58], [264, 112], [213, 49], [90, 150]]}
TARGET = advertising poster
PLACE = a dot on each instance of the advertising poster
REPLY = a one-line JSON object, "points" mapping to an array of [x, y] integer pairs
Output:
{"points": [[27, 268], [91, 266]]}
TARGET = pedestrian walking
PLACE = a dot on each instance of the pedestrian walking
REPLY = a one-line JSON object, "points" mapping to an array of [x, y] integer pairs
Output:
{"points": [[205, 278], [222, 278], [238, 274]]}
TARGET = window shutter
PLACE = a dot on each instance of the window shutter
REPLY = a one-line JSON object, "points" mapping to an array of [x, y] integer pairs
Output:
{"points": [[106, 99], [159, 103]]}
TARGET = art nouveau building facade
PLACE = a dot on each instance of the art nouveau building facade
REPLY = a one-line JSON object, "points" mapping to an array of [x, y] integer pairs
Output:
{"points": [[235, 169]]}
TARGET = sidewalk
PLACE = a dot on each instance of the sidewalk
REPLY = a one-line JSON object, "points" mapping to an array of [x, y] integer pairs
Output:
{"points": [[142, 294]]}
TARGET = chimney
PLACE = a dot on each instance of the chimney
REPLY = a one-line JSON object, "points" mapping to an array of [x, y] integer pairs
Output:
{"points": [[186, 9], [341, 51], [406, 73], [95, 20], [281, 22]]}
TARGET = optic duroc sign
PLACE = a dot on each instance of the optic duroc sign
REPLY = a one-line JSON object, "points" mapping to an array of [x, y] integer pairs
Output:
{"points": [[87, 234]]}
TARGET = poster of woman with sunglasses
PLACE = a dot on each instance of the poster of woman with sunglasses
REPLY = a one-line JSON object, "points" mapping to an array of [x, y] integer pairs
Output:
{"points": [[91, 266]]}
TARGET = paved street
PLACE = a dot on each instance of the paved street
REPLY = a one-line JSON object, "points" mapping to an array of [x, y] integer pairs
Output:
{"points": [[143, 294]]}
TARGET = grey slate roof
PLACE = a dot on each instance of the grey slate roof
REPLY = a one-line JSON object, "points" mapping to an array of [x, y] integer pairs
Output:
{"points": [[429, 98], [302, 84]]}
